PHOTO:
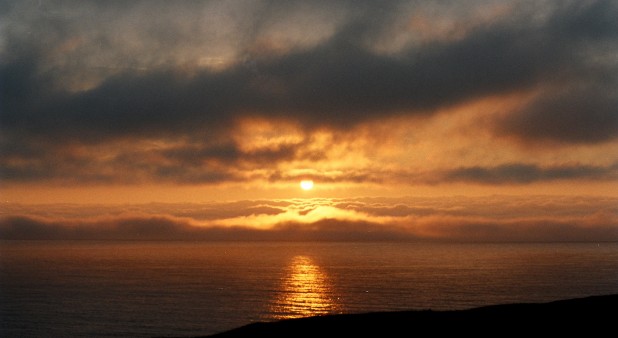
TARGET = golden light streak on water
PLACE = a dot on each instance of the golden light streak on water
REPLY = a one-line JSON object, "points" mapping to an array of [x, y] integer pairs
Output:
{"points": [[305, 291]]}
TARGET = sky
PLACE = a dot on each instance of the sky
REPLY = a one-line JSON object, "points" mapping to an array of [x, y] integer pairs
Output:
{"points": [[475, 120]]}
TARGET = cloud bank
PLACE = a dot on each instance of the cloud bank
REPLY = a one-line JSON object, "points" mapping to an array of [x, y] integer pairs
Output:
{"points": [[481, 219], [102, 92]]}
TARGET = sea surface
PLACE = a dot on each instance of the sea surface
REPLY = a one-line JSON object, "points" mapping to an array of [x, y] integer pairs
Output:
{"points": [[181, 289]]}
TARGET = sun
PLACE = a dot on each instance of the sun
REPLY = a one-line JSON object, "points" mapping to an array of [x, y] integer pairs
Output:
{"points": [[306, 184]]}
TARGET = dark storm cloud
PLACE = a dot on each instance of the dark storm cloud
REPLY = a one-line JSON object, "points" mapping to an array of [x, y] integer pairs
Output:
{"points": [[586, 113], [517, 173], [192, 162], [128, 105], [583, 106], [338, 83]]}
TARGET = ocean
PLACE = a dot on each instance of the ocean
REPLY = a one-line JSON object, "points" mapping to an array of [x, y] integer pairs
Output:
{"points": [[184, 289]]}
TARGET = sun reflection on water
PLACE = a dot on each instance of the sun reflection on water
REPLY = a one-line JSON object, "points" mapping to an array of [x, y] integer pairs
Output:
{"points": [[305, 291]]}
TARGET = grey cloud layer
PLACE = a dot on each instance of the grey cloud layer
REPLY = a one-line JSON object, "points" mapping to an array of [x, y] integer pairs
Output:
{"points": [[162, 228], [515, 173], [337, 82], [495, 218]]}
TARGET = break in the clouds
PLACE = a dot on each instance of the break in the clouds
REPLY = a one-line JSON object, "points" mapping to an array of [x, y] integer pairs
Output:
{"points": [[236, 91], [495, 218]]}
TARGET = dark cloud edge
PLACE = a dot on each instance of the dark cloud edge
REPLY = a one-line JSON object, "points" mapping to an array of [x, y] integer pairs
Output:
{"points": [[159, 228], [523, 173], [85, 172], [338, 83]]}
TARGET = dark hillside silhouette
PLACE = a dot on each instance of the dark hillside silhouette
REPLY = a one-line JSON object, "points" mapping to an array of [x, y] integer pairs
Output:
{"points": [[591, 316]]}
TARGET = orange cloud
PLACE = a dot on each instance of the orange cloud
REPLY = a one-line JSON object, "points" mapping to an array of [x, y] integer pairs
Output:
{"points": [[499, 218]]}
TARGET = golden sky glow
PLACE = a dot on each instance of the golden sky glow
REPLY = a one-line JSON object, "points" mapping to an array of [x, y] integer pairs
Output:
{"points": [[220, 102]]}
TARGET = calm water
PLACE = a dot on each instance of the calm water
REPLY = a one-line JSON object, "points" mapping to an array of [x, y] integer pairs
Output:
{"points": [[144, 289]]}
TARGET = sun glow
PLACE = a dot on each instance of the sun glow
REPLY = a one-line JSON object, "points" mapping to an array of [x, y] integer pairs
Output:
{"points": [[306, 184]]}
